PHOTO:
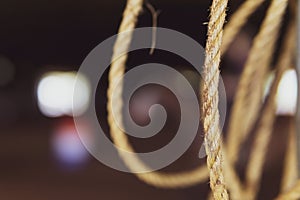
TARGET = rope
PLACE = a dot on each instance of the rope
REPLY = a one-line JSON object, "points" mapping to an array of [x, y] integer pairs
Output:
{"points": [[255, 167], [293, 194], [235, 187], [232, 28], [258, 153], [237, 20], [154, 14], [256, 65], [296, 5], [210, 99], [158, 179], [249, 94], [290, 172]]}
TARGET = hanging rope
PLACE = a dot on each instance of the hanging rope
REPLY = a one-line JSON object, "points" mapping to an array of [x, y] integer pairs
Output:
{"points": [[249, 93], [265, 126], [296, 12], [235, 187], [290, 172], [237, 21], [210, 98], [158, 179], [256, 65], [257, 157]]}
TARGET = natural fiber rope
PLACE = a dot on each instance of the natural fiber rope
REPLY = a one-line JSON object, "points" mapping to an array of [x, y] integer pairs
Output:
{"points": [[249, 94], [290, 172], [210, 98], [237, 21], [293, 194], [235, 186], [232, 28], [165, 180], [298, 100], [265, 126]]}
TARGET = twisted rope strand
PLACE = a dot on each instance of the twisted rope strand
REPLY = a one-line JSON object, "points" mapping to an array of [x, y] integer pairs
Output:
{"points": [[258, 153], [293, 194], [210, 99], [237, 21], [250, 89], [290, 172], [181, 179], [235, 187]]}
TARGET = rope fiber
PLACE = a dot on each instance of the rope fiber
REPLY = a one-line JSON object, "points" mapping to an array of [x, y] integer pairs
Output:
{"points": [[210, 98]]}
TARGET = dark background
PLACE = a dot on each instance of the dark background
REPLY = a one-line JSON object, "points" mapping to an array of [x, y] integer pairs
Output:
{"points": [[39, 36]]}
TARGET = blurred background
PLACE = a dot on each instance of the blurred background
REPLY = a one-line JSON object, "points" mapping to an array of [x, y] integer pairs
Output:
{"points": [[42, 45]]}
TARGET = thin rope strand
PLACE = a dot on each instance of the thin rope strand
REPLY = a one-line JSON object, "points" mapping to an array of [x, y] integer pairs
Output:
{"points": [[250, 89], [154, 14], [290, 172]]}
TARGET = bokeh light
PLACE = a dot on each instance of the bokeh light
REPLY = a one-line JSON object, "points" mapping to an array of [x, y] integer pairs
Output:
{"points": [[55, 94], [67, 146], [287, 93]]}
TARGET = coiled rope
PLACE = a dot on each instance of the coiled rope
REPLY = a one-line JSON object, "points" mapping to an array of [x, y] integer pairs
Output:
{"points": [[256, 65], [265, 126], [249, 93]]}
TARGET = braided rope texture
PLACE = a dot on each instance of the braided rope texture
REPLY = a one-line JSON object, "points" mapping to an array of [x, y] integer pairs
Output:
{"points": [[210, 98]]}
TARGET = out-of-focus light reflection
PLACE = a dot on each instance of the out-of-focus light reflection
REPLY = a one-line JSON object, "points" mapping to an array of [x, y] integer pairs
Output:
{"points": [[287, 94], [55, 94], [7, 71], [67, 146]]}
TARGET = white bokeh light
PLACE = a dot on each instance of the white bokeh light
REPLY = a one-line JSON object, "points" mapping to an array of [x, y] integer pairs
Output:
{"points": [[287, 93], [67, 146], [55, 94]]}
